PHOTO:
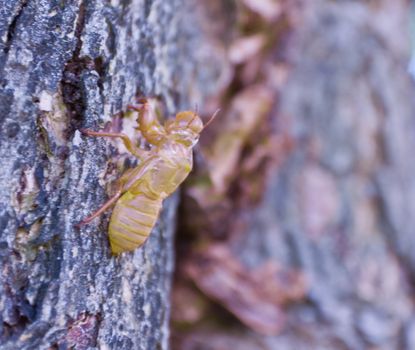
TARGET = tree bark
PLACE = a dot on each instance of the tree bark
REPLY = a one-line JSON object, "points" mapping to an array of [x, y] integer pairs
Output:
{"points": [[342, 202], [341, 207], [65, 66]]}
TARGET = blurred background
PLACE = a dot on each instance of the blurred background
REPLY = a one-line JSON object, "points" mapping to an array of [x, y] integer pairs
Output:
{"points": [[296, 227]]}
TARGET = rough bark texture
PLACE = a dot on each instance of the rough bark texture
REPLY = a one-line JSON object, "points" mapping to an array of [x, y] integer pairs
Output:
{"points": [[66, 65], [342, 203]]}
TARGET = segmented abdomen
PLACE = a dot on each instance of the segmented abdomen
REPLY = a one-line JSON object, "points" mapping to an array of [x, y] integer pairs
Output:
{"points": [[132, 220]]}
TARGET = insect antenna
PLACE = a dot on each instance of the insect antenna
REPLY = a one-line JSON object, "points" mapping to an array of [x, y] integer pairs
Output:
{"points": [[191, 120], [211, 118]]}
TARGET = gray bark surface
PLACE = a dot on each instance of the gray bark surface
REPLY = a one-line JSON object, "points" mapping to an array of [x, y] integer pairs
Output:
{"points": [[66, 65]]}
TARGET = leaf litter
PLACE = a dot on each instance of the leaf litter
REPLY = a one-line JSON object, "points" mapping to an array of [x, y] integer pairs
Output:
{"points": [[238, 150]]}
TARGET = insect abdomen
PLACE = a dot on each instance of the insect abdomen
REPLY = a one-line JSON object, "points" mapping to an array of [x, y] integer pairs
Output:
{"points": [[132, 220]]}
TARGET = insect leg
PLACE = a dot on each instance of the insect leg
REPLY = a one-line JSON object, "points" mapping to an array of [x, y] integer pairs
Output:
{"points": [[142, 104], [101, 210], [139, 153], [148, 123]]}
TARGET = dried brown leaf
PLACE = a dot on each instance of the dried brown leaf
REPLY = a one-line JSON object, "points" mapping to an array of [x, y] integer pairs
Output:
{"points": [[249, 108], [188, 305], [207, 213], [255, 297], [245, 48], [270, 10], [214, 339], [264, 156]]}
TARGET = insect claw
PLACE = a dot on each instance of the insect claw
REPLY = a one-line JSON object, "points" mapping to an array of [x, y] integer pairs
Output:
{"points": [[136, 108], [141, 100], [79, 225], [84, 131], [84, 222]]}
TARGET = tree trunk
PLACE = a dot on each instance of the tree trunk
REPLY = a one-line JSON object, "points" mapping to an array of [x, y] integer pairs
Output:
{"points": [[67, 65], [341, 207], [344, 200]]}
